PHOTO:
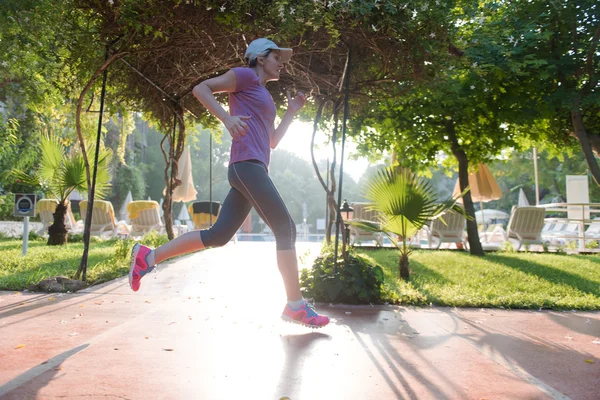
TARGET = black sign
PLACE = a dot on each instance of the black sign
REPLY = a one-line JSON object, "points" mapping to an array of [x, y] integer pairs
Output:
{"points": [[24, 205]]}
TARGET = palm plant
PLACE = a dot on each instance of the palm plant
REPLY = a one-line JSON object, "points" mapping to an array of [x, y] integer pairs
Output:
{"points": [[405, 203], [60, 172]]}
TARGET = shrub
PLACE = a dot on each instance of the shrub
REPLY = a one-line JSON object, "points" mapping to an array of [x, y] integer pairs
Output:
{"points": [[507, 247], [33, 236], [123, 249], [76, 238], [356, 282], [6, 207], [154, 239]]}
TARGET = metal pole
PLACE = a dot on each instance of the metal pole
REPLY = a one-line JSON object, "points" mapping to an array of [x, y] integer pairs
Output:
{"points": [[327, 197], [483, 220], [88, 217], [25, 235], [535, 168], [346, 96], [210, 178], [171, 166]]}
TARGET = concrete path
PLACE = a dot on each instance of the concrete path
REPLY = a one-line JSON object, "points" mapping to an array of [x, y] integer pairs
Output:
{"points": [[207, 327]]}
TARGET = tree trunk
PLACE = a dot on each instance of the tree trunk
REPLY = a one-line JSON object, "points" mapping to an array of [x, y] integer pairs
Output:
{"points": [[345, 240], [57, 231], [168, 215], [557, 189], [331, 203], [176, 142], [403, 267], [584, 142], [333, 206], [168, 203], [463, 178], [594, 142], [325, 185]]}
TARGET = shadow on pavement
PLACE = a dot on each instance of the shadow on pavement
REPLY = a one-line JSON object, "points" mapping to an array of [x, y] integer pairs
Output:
{"points": [[552, 367], [382, 327], [37, 301], [297, 349], [41, 375], [576, 323]]}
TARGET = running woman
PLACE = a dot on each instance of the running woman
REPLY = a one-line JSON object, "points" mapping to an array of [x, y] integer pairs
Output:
{"points": [[251, 123]]}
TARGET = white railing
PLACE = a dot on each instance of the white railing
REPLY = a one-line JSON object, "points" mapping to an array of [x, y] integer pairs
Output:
{"points": [[265, 237], [581, 217]]}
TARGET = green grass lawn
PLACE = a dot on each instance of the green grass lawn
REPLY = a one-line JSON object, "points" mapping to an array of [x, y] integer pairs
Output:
{"points": [[509, 280], [445, 278], [42, 261]]}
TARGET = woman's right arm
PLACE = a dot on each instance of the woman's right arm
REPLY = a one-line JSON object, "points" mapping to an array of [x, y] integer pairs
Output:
{"points": [[204, 92]]}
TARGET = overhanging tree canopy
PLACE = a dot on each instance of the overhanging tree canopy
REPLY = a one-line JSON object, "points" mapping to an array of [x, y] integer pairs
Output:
{"points": [[174, 45], [166, 48]]}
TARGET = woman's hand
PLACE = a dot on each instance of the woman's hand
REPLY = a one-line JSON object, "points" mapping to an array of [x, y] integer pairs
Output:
{"points": [[236, 126], [295, 103]]}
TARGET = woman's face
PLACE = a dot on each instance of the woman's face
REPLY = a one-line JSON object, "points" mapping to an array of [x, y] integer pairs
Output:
{"points": [[271, 65]]}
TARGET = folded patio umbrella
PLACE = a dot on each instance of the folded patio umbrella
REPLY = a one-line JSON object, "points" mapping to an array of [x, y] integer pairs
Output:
{"points": [[523, 202], [483, 186], [123, 214], [186, 191]]}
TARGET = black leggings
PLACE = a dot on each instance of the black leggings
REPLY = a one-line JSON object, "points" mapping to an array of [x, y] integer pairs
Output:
{"points": [[251, 186]]}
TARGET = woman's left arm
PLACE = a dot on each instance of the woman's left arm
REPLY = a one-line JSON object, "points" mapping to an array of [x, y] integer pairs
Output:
{"points": [[294, 105]]}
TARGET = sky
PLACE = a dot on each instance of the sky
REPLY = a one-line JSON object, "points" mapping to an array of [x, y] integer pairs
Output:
{"points": [[297, 141]]}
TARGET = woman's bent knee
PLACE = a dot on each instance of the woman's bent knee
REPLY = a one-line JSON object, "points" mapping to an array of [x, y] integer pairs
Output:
{"points": [[220, 242], [211, 240]]}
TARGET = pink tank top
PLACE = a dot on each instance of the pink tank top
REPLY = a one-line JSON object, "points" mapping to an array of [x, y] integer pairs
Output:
{"points": [[254, 100]]}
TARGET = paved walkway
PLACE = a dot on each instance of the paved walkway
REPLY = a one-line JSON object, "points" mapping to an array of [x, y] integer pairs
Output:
{"points": [[207, 327]]}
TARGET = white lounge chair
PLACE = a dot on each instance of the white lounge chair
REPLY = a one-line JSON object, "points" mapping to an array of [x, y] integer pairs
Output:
{"points": [[571, 232], [450, 230], [144, 217], [363, 213], [103, 219], [548, 228], [560, 232], [46, 208], [593, 231], [525, 226]]}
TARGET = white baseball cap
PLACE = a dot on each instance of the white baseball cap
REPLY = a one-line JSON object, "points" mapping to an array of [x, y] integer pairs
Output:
{"points": [[259, 46]]}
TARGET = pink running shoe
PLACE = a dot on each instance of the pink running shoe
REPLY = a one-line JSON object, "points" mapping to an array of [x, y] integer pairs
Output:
{"points": [[139, 267], [306, 316]]}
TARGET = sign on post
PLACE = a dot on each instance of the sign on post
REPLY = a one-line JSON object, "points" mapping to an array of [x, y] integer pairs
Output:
{"points": [[24, 207]]}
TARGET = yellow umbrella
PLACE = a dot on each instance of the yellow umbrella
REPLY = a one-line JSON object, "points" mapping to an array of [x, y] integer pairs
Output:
{"points": [[483, 187], [186, 191]]}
